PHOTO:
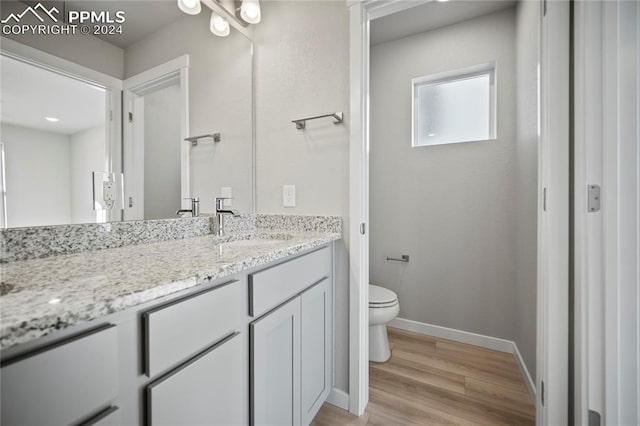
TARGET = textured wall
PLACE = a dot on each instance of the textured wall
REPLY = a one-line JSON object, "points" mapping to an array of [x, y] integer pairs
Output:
{"points": [[302, 69], [450, 207]]}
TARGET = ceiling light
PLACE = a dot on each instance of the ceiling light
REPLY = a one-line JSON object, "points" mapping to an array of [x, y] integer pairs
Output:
{"points": [[52, 119], [54, 301], [442, 1], [250, 11], [218, 25], [191, 7]]}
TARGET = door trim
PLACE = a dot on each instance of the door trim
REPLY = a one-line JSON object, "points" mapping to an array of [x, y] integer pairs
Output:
{"points": [[170, 72]]}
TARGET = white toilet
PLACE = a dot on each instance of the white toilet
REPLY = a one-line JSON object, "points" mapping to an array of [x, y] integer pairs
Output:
{"points": [[383, 307]]}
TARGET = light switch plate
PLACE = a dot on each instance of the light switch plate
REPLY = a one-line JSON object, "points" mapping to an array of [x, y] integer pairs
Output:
{"points": [[288, 195], [226, 192]]}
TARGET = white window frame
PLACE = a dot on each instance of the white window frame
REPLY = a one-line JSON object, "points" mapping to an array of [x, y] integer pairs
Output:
{"points": [[451, 76]]}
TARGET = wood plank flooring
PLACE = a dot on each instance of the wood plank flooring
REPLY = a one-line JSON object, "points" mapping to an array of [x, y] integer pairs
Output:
{"points": [[430, 381]]}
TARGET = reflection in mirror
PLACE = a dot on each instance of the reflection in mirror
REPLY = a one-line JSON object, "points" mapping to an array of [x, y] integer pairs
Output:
{"points": [[213, 95], [54, 137]]}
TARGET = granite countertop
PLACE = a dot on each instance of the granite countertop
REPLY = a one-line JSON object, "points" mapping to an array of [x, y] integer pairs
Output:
{"points": [[40, 296]]}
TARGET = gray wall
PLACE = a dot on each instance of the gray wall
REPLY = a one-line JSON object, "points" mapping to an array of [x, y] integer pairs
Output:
{"points": [[451, 207], [162, 153], [527, 17], [219, 101], [302, 69], [87, 153], [45, 182]]}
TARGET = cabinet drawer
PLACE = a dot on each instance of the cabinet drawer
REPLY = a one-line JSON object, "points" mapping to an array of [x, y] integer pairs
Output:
{"points": [[180, 329], [63, 384], [271, 287], [207, 390]]}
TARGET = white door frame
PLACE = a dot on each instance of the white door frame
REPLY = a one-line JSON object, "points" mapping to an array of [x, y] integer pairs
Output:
{"points": [[608, 241], [175, 71], [553, 261], [360, 14], [552, 376], [621, 183], [588, 241]]}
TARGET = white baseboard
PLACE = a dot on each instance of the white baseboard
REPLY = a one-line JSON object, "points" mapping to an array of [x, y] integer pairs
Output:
{"points": [[481, 340], [339, 398], [528, 381]]}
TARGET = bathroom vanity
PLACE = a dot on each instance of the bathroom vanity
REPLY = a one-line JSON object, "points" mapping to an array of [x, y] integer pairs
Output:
{"points": [[203, 330]]}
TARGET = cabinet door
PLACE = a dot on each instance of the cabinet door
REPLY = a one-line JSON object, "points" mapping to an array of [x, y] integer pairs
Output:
{"points": [[207, 390], [317, 351], [275, 367]]}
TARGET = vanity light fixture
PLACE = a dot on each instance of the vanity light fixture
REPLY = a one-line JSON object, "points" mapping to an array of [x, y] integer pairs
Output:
{"points": [[52, 119], [191, 7], [250, 11], [218, 25], [226, 13]]}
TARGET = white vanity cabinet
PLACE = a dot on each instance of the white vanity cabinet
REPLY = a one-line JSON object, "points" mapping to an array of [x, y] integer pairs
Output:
{"points": [[73, 381], [256, 347], [292, 345]]}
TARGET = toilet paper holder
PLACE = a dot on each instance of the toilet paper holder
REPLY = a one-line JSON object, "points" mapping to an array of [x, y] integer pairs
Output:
{"points": [[403, 258]]}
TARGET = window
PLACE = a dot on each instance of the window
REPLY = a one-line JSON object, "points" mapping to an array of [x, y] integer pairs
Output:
{"points": [[454, 106]]}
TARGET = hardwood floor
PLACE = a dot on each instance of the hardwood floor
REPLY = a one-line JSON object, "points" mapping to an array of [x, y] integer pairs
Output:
{"points": [[430, 381]]}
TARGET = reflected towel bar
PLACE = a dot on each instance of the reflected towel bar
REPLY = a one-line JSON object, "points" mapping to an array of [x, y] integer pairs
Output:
{"points": [[302, 122], [194, 139]]}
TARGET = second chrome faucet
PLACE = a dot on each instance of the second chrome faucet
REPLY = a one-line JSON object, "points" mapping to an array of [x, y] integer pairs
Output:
{"points": [[221, 211]]}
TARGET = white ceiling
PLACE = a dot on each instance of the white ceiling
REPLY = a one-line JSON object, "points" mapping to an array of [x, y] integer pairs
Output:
{"points": [[430, 16], [28, 94]]}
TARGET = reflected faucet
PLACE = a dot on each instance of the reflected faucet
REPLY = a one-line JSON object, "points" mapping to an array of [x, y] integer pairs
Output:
{"points": [[218, 226], [195, 208]]}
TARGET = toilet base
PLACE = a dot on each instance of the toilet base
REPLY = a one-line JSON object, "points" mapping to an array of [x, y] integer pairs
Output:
{"points": [[379, 343]]}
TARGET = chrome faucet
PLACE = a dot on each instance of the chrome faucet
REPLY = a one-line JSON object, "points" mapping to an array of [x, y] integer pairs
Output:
{"points": [[218, 226], [195, 208]]}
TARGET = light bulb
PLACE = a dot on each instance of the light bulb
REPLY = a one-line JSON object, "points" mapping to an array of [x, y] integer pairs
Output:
{"points": [[191, 7], [250, 11], [218, 25]]}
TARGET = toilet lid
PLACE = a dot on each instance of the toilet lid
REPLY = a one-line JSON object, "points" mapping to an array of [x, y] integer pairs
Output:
{"points": [[381, 296]]}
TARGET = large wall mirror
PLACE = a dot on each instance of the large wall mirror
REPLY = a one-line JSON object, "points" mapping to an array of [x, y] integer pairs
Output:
{"points": [[93, 126]]}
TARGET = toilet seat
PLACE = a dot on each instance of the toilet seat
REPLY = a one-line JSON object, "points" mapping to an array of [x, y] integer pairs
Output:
{"points": [[380, 297]]}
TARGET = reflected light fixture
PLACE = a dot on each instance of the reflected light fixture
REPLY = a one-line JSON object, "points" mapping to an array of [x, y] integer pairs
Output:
{"points": [[218, 25], [191, 7], [52, 119], [250, 11]]}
